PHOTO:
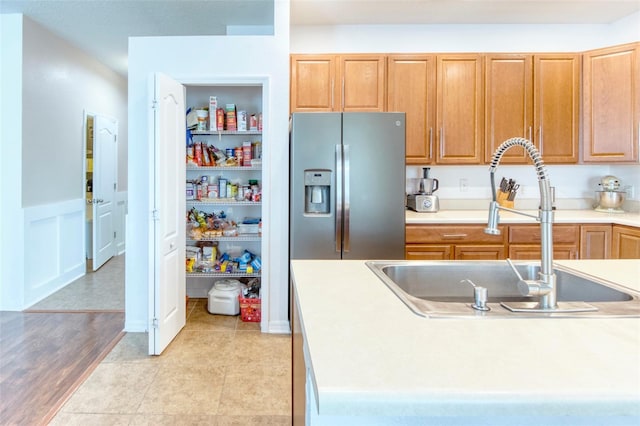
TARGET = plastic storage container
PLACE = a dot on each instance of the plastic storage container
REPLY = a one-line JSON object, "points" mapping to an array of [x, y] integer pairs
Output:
{"points": [[223, 297]]}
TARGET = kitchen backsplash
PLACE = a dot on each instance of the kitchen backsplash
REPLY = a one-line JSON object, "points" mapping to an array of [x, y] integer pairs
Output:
{"points": [[468, 187]]}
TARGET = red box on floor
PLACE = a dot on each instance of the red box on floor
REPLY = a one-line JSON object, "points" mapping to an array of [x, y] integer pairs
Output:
{"points": [[250, 309]]}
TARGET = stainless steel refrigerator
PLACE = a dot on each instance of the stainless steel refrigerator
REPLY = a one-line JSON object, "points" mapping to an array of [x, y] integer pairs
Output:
{"points": [[347, 186]]}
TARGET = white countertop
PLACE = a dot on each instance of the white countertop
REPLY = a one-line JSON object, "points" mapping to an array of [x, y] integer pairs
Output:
{"points": [[560, 216], [371, 356]]}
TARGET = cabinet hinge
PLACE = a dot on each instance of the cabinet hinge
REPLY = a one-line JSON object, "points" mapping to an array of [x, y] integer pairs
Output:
{"points": [[154, 323], [114, 235], [154, 104], [155, 215]]}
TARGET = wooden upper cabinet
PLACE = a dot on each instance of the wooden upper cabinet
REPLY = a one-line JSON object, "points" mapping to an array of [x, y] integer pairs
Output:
{"points": [[411, 81], [313, 83], [363, 83], [556, 99], [536, 97], [459, 109], [611, 104], [339, 83], [508, 104]]}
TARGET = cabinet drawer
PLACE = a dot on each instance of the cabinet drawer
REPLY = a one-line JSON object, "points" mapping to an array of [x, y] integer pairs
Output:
{"points": [[530, 234], [452, 234]]}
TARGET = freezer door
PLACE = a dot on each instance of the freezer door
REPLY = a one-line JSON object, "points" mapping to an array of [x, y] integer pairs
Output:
{"points": [[314, 145], [374, 218]]}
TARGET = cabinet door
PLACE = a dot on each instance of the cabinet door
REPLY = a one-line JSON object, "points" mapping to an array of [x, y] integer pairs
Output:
{"points": [[611, 97], [508, 104], [479, 252], [313, 83], [532, 252], [363, 83], [460, 109], [427, 252], [411, 89], [626, 242], [298, 364], [595, 241], [557, 106]]}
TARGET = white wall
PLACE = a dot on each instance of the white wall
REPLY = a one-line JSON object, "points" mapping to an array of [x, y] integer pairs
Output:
{"points": [[11, 220], [462, 38], [46, 86], [575, 184], [210, 59], [60, 82]]}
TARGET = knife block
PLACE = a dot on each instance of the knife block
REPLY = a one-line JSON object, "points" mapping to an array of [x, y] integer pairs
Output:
{"points": [[501, 197]]}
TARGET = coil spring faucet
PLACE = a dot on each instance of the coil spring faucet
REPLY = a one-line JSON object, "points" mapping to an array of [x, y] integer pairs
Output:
{"points": [[545, 286]]}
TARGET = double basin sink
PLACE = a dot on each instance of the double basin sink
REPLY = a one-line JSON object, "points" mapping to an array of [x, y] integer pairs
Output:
{"points": [[440, 289]]}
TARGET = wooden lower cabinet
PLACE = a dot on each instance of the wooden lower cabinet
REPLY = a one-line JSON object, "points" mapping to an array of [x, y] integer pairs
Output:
{"points": [[479, 252], [521, 242], [524, 241], [299, 369], [626, 242], [532, 252], [595, 241], [457, 242], [428, 252]]}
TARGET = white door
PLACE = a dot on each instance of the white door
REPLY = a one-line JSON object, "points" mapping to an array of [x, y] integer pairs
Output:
{"points": [[168, 230], [105, 150]]}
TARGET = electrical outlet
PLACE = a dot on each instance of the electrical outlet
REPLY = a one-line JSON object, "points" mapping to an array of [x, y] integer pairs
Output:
{"points": [[631, 192], [464, 185]]}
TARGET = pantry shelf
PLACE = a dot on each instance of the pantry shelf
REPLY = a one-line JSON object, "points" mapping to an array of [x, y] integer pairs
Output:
{"points": [[220, 274], [225, 132], [247, 237], [222, 201], [224, 168]]}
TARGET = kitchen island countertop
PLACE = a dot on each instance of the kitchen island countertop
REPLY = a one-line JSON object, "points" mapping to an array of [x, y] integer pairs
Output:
{"points": [[372, 358]]}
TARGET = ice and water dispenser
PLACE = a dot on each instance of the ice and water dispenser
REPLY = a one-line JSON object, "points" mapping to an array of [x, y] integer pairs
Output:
{"points": [[317, 192]]}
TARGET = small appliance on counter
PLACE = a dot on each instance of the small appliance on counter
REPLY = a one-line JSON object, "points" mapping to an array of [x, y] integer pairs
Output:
{"points": [[609, 198], [424, 200]]}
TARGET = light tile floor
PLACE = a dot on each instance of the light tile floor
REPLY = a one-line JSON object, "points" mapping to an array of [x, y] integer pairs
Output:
{"points": [[102, 290], [218, 371]]}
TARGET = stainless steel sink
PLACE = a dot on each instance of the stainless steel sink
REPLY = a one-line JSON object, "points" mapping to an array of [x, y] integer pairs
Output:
{"points": [[434, 289]]}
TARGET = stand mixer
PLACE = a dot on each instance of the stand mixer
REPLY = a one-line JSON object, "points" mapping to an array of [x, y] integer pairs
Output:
{"points": [[610, 197], [424, 200]]}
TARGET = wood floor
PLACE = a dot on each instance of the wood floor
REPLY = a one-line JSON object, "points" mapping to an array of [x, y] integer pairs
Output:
{"points": [[44, 357]]}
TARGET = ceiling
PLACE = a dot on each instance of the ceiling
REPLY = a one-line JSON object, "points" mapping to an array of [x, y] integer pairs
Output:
{"points": [[101, 27]]}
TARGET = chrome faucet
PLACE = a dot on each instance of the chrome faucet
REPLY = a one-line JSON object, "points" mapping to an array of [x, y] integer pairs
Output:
{"points": [[545, 286]]}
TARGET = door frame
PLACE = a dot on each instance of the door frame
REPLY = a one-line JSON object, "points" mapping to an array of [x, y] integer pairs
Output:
{"points": [[258, 80]]}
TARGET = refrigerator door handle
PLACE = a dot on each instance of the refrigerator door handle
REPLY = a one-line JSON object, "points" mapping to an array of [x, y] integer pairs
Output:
{"points": [[338, 192], [346, 244]]}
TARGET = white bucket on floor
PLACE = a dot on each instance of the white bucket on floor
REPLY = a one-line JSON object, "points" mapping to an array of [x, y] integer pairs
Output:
{"points": [[223, 297]]}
